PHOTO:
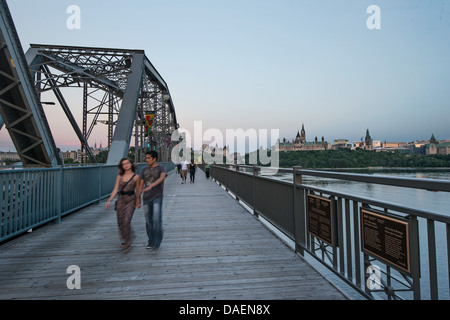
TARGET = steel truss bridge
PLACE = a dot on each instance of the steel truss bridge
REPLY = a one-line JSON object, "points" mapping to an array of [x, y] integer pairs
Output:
{"points": [[118, 88]]}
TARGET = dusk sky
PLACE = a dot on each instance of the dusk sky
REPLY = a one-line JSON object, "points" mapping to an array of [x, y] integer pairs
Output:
{"points": [[271, 64]]}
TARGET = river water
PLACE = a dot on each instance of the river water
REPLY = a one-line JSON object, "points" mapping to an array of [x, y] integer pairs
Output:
{"points": [[429, 201]]}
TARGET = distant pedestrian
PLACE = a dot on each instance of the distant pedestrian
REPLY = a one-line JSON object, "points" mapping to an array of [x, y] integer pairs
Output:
{"points": [[152, 187], [192, 169], [207, 167], [127, 182], [184, 170], [179, 171]]}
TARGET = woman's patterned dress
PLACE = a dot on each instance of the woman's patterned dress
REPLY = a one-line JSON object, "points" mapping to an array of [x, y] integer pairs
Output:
{"points": [[126, 204]]}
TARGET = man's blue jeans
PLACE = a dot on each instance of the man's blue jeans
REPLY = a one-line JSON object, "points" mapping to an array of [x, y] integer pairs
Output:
{"points": [[153, 221]]}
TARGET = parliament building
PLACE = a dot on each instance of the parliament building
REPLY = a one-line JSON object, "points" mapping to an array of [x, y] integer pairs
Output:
{"points": [[300, 143]]}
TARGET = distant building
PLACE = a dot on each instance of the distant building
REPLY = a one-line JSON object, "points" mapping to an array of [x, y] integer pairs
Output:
{"points": [[9, 156], [96, 151], [393, 145], [417, 147], [77, 155], [341, 143], [70, 155], [300, 143], [437, 147], [440, 148], [367, 143]]}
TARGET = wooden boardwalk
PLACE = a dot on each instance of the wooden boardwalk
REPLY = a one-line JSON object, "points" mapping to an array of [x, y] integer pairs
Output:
{"points": [[212, 249]]}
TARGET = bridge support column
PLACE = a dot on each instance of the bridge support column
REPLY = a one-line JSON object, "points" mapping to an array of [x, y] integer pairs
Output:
{"points": [[298, 216], [124, 128]]}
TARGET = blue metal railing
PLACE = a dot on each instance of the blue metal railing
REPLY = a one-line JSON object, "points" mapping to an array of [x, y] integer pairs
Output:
{"points": [[32, 197]]}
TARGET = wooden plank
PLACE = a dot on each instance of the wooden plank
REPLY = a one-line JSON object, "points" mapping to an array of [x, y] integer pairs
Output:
{"points": [[212, 249]]}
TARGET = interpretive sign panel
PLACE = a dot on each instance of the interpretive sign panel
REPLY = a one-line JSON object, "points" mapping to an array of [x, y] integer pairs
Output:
{"points": [[320, 222], [386, 238]]}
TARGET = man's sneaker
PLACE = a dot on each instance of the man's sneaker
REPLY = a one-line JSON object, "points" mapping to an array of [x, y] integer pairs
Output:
{"points": [[155, 250], [149, 246]]}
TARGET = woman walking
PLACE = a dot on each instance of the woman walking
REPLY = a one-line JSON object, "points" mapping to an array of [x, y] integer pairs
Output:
{"points": [[127, 182]]}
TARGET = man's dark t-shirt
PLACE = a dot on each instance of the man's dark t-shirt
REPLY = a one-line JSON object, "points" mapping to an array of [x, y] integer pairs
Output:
{"points": [[150, 175]]}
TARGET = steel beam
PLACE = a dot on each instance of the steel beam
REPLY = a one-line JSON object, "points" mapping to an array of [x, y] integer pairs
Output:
{"points": [[20, 108], [70, 117], [127, 114]]}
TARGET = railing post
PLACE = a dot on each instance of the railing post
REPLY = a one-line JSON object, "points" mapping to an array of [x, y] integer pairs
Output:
{"points": [[60, 192], [255, 174], [415, 257], [236, 182], [100, 184], [432, 259], [298, 215]]}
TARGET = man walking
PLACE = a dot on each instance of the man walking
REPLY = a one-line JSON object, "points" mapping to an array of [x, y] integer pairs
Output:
{"points": [[192, 169], [184, 170], [152, 185]]}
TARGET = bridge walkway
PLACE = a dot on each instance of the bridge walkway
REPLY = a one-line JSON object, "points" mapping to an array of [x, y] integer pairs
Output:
{"points": [[212, 249]]}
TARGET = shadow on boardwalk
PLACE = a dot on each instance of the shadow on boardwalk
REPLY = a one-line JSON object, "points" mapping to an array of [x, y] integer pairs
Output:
{"points": [[212, 249]]}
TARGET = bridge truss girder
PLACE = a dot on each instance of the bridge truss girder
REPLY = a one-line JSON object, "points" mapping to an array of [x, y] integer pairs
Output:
{"points": [[20, 109], [119, 88]]}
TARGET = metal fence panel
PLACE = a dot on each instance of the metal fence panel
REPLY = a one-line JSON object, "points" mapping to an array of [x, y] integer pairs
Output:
{"points": [[244, 187], [279, 212]]}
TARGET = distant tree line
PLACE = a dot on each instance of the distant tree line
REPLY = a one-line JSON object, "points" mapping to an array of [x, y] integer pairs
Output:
{"points": [[360, 158], [340, 158]]}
